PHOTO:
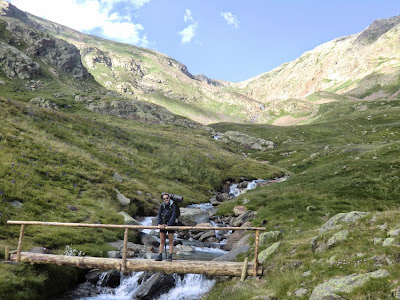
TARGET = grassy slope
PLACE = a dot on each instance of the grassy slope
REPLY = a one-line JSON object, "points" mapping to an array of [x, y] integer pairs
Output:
{"points": [[49, 160], [348, 159]]}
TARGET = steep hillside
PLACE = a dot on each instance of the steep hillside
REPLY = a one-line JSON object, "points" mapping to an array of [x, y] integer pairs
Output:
{"points": [[139, 73], [346, 160], [364, 65], [360, 66], [75, 136]]}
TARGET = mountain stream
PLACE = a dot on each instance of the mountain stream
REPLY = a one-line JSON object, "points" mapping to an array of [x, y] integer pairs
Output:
{"points": [[188, 286]]}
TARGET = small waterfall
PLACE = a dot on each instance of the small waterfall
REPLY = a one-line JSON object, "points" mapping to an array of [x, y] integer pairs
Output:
{"points": [[124, 291], [235, 189], [191, 287]]}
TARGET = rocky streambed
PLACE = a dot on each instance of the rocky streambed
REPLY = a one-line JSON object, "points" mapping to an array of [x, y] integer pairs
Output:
{"points": [[189, 245]]}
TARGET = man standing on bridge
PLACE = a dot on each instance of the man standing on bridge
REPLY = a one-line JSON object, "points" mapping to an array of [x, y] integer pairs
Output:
{"points": [[166, 216]]}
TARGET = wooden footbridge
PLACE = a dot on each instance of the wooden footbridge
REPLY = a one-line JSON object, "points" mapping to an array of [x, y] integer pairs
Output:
{"points": [[125, 265]]}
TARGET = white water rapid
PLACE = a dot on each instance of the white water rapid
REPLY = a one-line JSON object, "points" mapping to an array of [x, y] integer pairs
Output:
{"points": [[189, 286]]}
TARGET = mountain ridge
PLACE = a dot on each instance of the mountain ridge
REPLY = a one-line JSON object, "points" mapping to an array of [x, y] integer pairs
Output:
{"points": [[364, 65]]}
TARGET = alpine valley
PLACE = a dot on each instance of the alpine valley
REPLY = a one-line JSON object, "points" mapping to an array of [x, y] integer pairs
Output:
{"points": [[93, 131]]}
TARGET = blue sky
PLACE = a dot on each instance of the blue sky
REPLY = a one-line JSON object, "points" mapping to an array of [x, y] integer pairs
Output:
{"points": [[231, 40]]}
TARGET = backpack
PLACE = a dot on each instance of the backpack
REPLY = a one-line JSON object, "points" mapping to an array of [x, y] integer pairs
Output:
{"points": [[178, 210]]}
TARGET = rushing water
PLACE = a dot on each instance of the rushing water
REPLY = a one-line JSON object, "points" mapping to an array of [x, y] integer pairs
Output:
{"points": [[189, 286], [192, 286]]}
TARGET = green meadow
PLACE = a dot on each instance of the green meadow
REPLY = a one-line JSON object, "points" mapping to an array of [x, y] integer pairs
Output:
{"points": [[60, 166]]}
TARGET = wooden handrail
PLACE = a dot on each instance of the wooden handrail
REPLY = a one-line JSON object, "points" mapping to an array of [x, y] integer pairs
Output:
{"points": [[127, 227], [130, 226]]}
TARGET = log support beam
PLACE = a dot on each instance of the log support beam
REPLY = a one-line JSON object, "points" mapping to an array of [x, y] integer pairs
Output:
{"points": [[211, 268]]}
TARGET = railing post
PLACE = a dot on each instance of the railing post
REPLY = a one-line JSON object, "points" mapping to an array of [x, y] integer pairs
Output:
{"points": [[124, 250], [21, 238], [7, 253], [244, 269], [256, 252]]}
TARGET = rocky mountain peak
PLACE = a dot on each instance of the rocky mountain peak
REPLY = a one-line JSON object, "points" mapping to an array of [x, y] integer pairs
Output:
{"points": [[9, 10], [377, 29]]}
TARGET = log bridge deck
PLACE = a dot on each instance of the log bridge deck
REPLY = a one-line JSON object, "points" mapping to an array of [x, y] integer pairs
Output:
{"points": [[212, 268]]}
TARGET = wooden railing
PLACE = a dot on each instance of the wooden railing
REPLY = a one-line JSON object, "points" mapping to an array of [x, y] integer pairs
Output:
{"points": [[137, 227]]}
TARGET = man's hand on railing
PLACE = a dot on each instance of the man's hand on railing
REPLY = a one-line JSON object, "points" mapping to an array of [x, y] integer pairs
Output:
{"points": [[162, 226]]}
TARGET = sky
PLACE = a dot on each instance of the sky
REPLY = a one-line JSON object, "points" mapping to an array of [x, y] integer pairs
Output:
{"points": [[230, 40]]}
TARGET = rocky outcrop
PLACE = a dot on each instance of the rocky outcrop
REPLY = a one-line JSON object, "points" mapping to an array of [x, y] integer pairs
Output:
{"points": [[141, 111], [377, 29], [331, 288], [204, 78], [54, 52], [245, 140], [59, 53], [41, 102], [336, 221], [16, 64]]}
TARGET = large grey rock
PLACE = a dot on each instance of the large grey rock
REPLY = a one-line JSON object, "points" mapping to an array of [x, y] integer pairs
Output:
{"points": [[121, 198], [338, 237], [232, 255], [263, 256], [344, 284], [157, 284], [394, 232], [184, 250], [243, 218], [273, 235], [239, 209], [193, 216], [133, 249], [16, 204], [244, 241], [148, 240], [246, 141], [206, 235], [232, 239], [388, 242], [114, 254], [301, 292], [336, 221], [106, 279], [128, 219]]}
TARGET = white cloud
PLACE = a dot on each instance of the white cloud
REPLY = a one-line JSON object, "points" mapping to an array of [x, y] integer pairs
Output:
{"points": [[88, 15], [123, 32], [230, 19], [188, 16], [189, 32]]}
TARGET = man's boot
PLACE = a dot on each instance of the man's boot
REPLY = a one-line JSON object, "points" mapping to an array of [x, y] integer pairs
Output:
{"points": [[159, 257]]}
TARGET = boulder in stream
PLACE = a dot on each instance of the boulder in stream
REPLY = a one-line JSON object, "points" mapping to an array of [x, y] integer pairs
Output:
{"points": [[157, 284]]}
